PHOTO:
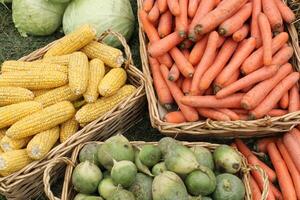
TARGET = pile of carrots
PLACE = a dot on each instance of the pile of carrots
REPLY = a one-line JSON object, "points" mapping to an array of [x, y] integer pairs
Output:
{"points": [[284, 154], [221, 59]]}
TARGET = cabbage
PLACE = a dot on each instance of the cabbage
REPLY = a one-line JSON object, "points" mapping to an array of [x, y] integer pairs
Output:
{"points": [[116, 15], [37, 17]]}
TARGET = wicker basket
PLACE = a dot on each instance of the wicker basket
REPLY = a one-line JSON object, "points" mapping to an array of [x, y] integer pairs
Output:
{"points": [[210, 128], [68, 192], [27, 183]]}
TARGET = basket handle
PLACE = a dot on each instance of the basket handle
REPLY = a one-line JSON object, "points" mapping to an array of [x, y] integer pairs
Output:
{"points": [[264, 175], [129, 60], [46, 177]]}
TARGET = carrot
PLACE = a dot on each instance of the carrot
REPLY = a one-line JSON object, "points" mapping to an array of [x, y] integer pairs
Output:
{"points": [[198, 51], [277, 112], [286, 13], [266, 35], [238, 58], [220, 41], [233, 145], [174, 7], [296, 134], [186, 85], [153, 15], [147, 5], [294, 99], [232, 101], [232, 115], [186, 44], [256, 193], [179, 81], [272, 12], [253, 78], [174, 117], [255, 32], [186, 53], [165, 24], [243, 117], [261, 90], [162, 5], [182, 19], [209, 91], [240, 111], [276, 192], [192, 9], [182, 63], [174, 73], [261, 144], [241, 33], [234, 23], [293, 147], [284, 101], [283, 55], [295, 174], [255, 60], [213, 114], [274, 96], [284, 178], [161, 88], [247, 89], [214, 18], [260, 182], [206, 61], [233, 78]]}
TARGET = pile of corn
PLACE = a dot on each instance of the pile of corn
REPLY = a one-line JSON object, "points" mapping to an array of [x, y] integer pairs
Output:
{"points": [[44, 102]]}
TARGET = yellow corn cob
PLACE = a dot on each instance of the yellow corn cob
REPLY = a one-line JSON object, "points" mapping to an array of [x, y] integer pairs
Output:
{"points": [[78, 72], [72, 42], [1, 152], [8, 144], [15, 66], [92, 111], [112, 82], [109, 55], [60, 60], [2, 133], [11, 95], [34, 80], [97, 71], [42, 143], [42, 120], [63, 93], [13, 161], [13, 113], [79, 103], [40, 92], [67, 129]]}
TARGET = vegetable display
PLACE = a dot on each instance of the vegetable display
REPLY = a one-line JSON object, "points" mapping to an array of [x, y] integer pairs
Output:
{"points": [[47, 100]]}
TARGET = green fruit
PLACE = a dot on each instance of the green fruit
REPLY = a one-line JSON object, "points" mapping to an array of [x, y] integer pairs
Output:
{"points": [[150, 155], [204, 156], [86, 177], [159, 168], [124, 173], [121, 194], [201, 182], [80, 196], [227, 159], [165, 144], [106, 188], [89, 152], [169, 186], [195, 198], [142, 187], [140, 166], [106, 174], [92, 198], [115, 148], [229, 187], [206, 198]]}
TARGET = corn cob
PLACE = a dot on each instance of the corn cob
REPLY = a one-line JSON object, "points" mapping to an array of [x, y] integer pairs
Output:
{"points": [[1, 152], [67, 129], [78, 73], [109, 55], [34, 80], [13, 113], [112, 82], [97, 72], [63, 93], [15, 66], [79, 103], [60, 60], [2, 133], [13, 161], [8, 144], [11, 95], [40, 92], [92, 111], [72, 42], [42, 143], [42, 120]]}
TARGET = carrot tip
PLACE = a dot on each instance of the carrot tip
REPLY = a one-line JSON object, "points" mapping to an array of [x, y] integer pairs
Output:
{"points": [[251, 117], [245, 106], [190, 75], [168, 106], [192, 37], [198, 29], [182, 34], [171, 78], [222, 31], [217, 89]]}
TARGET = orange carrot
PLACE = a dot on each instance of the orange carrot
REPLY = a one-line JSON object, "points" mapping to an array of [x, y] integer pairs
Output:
{"points": [[165, 24], [240, 111], [266, 35], [232, 115], [296, 134], [186, 44], [261, 144], [255, 32], [179, 81], [293, 147], [234, 23], [164, 45], [189, 113], [277, 112], [295, 174], [147, 5], [214, 18], [213, 114], [243, 117], [162, 5], [182, 63], [233, 78], [274, 96], [182, 24], [220, 41], [255, 60], [272, 12], [174, 73], [284, 101], [247, 89], [294, 99], [283, 55], [232, 101], [186, 85], [251, 79], [174, 117], [161, 88], [192, 9], [206, 61], [186, 53], [261, 90], [276, 192], [153, 15], [174, 7], [198, 51], [256, 193], [286, 13], [241, 34], [238, 58], [209, 91], [284, 178]]}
